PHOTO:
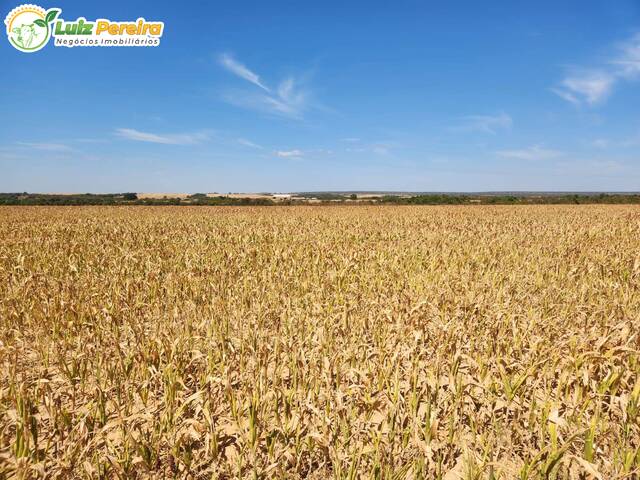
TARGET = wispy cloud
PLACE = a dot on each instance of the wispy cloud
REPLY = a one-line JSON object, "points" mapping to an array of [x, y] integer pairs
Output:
{"points": [[289, 153], [249, 143], [381, 148], [600, 143], [591, 87], [91, 140], [10, 152], [531, 153], [592, 167], [486, 123], [166, 139], [49, 147], [627, 62], [290, 99], [237, 68], [631, 141], [594, 85]]}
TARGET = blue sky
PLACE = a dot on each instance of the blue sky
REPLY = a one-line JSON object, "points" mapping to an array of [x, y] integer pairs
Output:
{"points": [[300, 96]]}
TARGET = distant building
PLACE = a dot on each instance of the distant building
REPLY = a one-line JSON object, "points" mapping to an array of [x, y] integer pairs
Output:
{"points": [[282, 196]]}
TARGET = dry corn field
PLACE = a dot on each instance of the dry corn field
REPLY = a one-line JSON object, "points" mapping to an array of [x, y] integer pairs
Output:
{"points": [[481, 342]]}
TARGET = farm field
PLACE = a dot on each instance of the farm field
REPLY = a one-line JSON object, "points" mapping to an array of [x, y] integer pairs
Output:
{"points": [[460, 342]]}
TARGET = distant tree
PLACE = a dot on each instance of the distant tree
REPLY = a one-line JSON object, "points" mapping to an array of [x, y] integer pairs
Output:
{"points": [[130, 196], [353, 196]]}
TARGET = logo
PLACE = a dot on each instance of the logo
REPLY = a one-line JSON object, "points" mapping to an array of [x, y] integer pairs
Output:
{"points": [[30, 27]]}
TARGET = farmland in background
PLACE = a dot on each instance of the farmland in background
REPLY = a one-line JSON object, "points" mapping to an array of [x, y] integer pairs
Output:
{"points": [[314, 198]]}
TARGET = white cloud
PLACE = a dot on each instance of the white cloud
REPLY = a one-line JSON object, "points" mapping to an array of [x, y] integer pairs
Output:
{"points": [[292, 106], [91, 140], [566, 95], [49, 147], [289, 153], [600, 143], [12, 154], [594, 86], [591, 87], [249, 143], [628, 61], [289, 99], [237, 68], [166, 139], [377, 148], [486, 123], [531, 153], [292, 100], [380, 149], [630, 141], [592, 167], [609, 166]]}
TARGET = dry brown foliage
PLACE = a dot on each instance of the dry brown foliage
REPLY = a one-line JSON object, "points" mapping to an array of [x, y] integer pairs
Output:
{"points": [[320, 342]]}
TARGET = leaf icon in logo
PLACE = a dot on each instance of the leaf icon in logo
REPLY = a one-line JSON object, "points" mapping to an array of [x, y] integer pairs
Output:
{"points": [[39, 22], [51, 15]]}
